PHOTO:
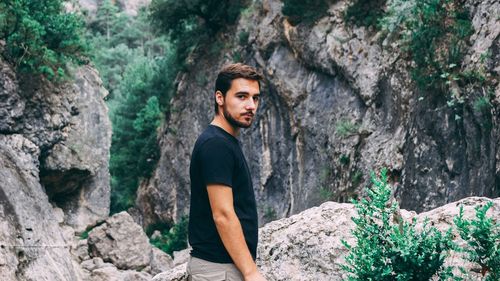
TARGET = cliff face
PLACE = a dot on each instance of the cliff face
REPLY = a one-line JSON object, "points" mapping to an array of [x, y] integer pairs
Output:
{"points": [[336, 104], [54, 178]]}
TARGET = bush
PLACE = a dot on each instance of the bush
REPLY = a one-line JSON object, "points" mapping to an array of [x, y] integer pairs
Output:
{"points": [[435, 32], [40, 37], [365, 12], [389, 248], [298, 11], [482, 236], [175, 239]]}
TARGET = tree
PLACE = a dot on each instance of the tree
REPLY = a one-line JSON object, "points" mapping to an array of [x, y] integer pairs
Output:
{"points": [[40, 37]]}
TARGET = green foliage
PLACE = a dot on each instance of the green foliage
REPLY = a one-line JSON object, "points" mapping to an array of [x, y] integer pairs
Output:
{"points": [[306, 11], [365, 12], [346, 128], [482, 236], [435, 32], [134, 149], [269, 213], [344, 159], [389, 248], [175, 239], [243, 37], [40, 37], [325, 193], [356, 177], [138, 68], [191, 22]]}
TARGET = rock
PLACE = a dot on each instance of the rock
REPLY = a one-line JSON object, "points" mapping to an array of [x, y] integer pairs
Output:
{"points": [[122, 242], [75, 172], [178, 273], [37, 116], [308, 246], [32, 244], [160, 261], [336, 105], [182, 256], [109, 273]]}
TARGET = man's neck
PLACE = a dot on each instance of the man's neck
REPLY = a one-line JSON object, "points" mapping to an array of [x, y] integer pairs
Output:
{"points": [[222, 122]]}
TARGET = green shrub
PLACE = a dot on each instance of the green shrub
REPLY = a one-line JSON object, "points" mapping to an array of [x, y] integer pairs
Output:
{"points": [[346, 128], [306, 11], [482, 236], [389, 248], [40, 37], [365, 12], [175, 239], [435, 32]]}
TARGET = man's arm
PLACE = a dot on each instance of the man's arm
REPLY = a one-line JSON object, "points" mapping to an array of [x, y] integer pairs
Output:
{"points": [[230, 231]]}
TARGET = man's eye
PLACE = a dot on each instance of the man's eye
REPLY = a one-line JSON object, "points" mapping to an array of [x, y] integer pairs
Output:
{"points": [[255, 98]]}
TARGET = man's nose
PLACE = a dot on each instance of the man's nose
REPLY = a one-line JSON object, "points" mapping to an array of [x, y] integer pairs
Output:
{"points": [[251, 105]]}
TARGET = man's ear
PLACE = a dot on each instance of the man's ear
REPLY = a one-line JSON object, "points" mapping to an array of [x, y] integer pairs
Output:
{"points": [[219, 98]]}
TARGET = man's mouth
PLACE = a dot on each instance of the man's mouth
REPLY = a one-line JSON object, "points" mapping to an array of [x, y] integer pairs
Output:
{"points": [[248, 115]]}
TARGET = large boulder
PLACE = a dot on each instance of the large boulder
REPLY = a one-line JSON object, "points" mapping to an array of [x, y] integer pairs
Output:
{"points": [[122, 242], [308, 246]]}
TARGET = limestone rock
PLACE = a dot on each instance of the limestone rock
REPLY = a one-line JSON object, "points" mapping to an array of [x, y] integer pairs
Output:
{"points": [[33, 247], [337, 103], [178, 273], [75, 172], [307, 246], [182, 256], [160, 261], [122, 242]]}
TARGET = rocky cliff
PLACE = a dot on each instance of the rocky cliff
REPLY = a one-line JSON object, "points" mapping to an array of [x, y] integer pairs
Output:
{"points": [[337, 103], [54, 178]]}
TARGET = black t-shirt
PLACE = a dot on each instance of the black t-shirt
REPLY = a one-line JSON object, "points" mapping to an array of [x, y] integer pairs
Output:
{"points": [[217, 159]]}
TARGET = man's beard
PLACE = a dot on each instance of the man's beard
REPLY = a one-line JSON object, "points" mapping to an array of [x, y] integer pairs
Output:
{"points": [[235, 123]]}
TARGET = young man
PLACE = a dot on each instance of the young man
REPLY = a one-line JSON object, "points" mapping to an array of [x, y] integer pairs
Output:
{"points": [[223, 225]]}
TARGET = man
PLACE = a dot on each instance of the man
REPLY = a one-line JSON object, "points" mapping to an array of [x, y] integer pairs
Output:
{"points": [[223, 227]]}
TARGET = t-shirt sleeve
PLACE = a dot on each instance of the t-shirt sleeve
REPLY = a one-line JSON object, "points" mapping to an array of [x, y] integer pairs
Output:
{"points": [[217, 162]]}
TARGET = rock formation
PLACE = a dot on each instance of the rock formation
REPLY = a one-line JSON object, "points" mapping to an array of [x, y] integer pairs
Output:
{"points": [[337, 103], [54, 142], [307, 246]]}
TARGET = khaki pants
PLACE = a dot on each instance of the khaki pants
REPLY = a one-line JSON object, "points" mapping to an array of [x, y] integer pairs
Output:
{"points": [[202, 270]]}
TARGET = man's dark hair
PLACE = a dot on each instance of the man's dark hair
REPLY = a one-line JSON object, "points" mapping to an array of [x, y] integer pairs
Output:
{"points": [[233, 71]]}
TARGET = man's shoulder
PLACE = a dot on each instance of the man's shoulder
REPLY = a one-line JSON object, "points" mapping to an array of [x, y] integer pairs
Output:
{"points": [[210, 141]]}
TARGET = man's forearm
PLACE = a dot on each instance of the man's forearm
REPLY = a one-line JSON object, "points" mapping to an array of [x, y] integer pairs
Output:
{"points": [[231, 233]]}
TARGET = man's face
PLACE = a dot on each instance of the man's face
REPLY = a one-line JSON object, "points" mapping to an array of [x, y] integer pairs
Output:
{"points": [[241, 102]]}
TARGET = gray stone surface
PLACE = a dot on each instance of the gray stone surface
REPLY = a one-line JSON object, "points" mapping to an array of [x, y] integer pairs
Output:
{"points": [[32, 244], [40, 121], [320, 77], [178, 273], [160, 261], [75, 171], [122, 242], [307, 246]]}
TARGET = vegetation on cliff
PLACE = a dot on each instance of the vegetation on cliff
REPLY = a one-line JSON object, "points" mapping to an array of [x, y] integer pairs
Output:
{"points": [[40, 37]]}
